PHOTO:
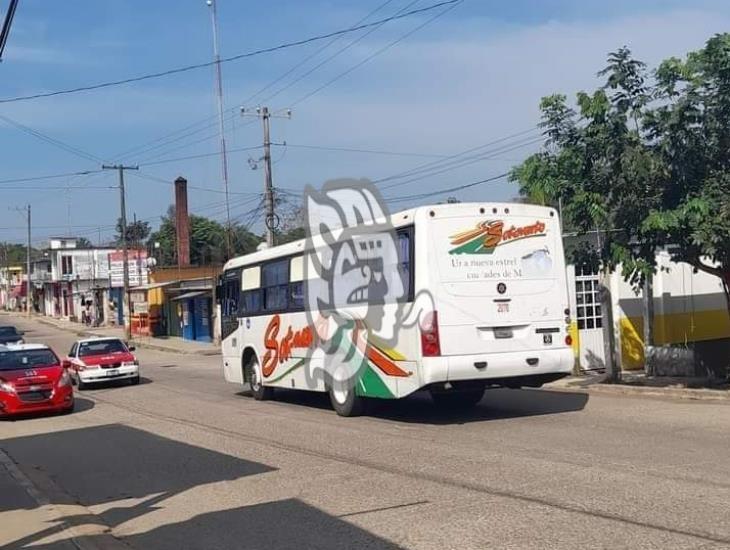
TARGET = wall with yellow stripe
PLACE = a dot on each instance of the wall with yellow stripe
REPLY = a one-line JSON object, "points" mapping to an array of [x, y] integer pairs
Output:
{"points": [[672, 328]]}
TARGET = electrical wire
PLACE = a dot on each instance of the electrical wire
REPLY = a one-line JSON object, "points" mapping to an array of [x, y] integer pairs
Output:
{"points": [[236, 57], [309, 57], [451, 5], [421, 196], [357, 150]]}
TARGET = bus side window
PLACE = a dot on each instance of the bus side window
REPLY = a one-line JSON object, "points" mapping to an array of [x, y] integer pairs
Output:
{"points": [[230, 298], [251, 291], [296, 284], [275, 284], [405, 265]]}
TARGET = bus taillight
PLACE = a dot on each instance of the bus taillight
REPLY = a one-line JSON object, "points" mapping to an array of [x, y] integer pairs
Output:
{"points": [[430, 344]]}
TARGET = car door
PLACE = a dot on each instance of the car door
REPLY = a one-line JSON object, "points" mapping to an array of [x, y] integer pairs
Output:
{"points": [[71, 358]]}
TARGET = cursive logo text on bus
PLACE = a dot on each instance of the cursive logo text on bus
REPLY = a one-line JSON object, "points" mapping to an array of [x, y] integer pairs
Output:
{"points": [[279, 350], [488, 235]]}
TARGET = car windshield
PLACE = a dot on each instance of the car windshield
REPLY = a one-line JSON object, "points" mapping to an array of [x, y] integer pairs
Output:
{"points": [[101, 347], [25, 359], [8, 331]]}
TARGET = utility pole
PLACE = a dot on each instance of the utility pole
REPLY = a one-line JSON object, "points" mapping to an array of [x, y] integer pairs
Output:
{"points": [[221, 130], [125, 252], [271, 220], [5, 31], [26, 208], [27, 282]]}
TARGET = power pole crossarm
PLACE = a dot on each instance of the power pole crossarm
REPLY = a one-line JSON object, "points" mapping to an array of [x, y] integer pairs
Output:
{"points": [[125, 251]]}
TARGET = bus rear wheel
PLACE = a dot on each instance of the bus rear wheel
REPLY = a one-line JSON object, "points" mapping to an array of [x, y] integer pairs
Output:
{"points": [[256, 382], [345, 400], [458, 400]]}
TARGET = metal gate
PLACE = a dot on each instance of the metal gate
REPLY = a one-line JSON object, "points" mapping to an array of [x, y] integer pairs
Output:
{"points": [[588, 317]]}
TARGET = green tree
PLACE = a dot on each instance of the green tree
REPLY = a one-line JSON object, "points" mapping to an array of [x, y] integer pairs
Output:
{"points": [[207, 240], [644, 161], [137, 231]]}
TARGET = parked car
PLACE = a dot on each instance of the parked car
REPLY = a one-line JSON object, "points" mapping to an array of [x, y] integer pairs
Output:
{"points": [[10, 335], [32, 379], [101, 360]]}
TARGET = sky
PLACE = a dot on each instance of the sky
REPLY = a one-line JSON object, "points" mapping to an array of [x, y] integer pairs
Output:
{"points": [[419, 89]]}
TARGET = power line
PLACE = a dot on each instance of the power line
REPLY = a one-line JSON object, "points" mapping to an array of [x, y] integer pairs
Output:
{"points": [[451, 5], [51, 176], [438, 163], [338, 52], [236, 57], [444, 191], [376, 25], [358, 150], [164, 139], [52, 141], [465, 162], [200, 156]]}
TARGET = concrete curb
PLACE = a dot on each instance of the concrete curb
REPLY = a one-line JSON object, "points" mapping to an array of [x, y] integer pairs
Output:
{"points": [[690, 394], [139, 343]]}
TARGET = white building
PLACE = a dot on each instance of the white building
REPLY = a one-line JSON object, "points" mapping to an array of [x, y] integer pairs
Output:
{"points": [[72, 277], [690, 315]]}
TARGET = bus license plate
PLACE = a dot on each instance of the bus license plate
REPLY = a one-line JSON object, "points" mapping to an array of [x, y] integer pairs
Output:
{"points": [[503, 308], [503, 333]]}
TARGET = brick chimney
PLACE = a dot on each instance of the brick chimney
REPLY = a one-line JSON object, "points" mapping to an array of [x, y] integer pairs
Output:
{"points": [[182, 222]]}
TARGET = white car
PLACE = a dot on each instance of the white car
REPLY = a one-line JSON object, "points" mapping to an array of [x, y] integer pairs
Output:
{"points": [[102, 360]]}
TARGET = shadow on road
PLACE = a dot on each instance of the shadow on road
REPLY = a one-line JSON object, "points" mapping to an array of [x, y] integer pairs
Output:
{"points": [[106, 465], [497, 404]]}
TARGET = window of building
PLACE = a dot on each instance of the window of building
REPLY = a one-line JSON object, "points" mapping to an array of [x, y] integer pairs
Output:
{"points": [[67, 267], [587, 299]]}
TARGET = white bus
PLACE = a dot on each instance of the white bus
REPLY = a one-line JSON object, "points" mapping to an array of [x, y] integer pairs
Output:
{"points": [[496, 281]]}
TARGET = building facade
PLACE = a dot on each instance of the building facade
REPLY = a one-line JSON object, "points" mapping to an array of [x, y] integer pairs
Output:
{"points": [[691, 319]]}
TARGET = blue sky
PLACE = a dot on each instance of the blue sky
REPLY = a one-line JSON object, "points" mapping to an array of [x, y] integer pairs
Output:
{"points": [[472, 76]]}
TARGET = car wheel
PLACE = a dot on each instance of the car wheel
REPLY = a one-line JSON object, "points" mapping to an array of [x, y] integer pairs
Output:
{"points": [[344, 398], [134, 381], [256, 382], [69, 409], [80, 384], [458, 400]]}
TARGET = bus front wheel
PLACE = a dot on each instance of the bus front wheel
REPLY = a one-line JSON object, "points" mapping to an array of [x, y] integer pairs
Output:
{"points": [[256, 382]]}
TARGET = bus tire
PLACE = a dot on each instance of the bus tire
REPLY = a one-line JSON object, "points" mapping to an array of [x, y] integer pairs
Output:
{"points": [[458, 400], [256, 382], [345, 401]]}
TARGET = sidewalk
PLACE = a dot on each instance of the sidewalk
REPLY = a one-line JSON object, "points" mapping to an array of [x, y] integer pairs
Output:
{"points": [[169, 344], [640, 384]]}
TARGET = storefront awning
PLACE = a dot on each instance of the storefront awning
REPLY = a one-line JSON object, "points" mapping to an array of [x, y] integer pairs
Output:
{"points": [[188, 295]]}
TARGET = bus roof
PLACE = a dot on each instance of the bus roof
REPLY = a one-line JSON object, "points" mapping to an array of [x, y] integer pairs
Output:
{"points": [[399, 219]]}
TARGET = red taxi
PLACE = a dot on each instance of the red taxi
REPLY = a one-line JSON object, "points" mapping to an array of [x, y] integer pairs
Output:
{"points": [[32, 379], [98, 360]]}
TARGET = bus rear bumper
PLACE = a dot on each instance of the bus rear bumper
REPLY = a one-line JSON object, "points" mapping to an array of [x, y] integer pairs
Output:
{"points": [[514, 369]]}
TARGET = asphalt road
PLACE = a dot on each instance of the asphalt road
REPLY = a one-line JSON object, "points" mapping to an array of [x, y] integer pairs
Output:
{"points": [[187, 461]]}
